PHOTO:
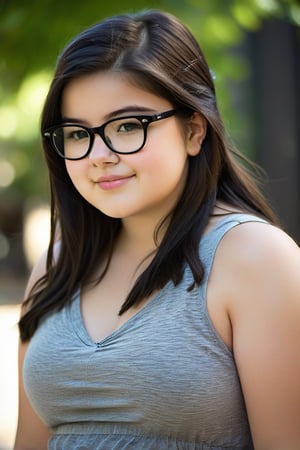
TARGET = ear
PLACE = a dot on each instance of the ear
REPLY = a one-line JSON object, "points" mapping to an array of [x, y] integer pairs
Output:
{"points": [[196, 133]]}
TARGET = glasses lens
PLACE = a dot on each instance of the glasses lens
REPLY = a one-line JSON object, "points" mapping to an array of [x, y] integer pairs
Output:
{"points": [[124, 135], [71, 141]]}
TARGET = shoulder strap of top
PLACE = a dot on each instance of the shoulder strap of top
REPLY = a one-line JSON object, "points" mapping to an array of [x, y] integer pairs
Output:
{"points": [[211, 240]]}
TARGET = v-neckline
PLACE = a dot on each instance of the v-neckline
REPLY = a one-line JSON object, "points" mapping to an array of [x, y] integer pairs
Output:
{"points": [[76, 312], [82, 332]]}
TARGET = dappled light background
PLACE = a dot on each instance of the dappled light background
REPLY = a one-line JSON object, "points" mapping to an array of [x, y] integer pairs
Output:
{"points": [[252, 47]]}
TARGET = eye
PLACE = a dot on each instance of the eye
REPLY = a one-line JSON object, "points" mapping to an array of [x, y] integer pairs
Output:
{"points": [[129, 126], [75, 134]]}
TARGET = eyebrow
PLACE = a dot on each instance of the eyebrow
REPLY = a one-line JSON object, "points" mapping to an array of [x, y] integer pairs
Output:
{"points": [[131, 109]]}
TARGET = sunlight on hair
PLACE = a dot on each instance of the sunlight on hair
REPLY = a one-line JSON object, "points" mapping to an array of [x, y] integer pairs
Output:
{"points": [[36, 232]]}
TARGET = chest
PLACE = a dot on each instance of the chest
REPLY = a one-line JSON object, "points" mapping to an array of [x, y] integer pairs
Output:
{"points": [[163, 367], [100, 304]]}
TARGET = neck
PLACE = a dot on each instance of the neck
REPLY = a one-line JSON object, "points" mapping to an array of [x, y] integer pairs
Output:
{"points": [[138, 235]]}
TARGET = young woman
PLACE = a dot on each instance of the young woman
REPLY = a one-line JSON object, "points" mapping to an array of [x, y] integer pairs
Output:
{"points": [[166, 313]]}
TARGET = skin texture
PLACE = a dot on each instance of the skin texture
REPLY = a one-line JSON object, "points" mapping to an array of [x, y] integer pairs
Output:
{"points": [[145, 191], [254, 289]]}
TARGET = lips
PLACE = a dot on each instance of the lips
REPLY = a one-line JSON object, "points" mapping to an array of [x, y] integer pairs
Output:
{"points": [[113, 181]]}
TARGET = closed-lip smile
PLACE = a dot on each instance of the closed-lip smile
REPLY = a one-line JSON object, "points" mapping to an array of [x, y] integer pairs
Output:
{"points": [[109, 182]]}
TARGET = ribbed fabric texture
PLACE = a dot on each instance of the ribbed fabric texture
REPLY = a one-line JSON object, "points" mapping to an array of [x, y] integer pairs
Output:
{"points": [[163, 380]]}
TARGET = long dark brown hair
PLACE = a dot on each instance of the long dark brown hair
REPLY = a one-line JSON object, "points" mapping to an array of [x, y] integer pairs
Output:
{"points": [[159, 54]]}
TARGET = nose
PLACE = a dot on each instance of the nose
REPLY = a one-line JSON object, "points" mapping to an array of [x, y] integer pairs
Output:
{"points": [[101, 153]]}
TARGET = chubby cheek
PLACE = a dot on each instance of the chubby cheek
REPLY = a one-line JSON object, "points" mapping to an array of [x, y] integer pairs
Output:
{"points": [[77, 172], [165, 174]]}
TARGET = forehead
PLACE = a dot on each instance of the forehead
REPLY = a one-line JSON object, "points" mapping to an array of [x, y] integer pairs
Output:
{"points": [[96, 95]]}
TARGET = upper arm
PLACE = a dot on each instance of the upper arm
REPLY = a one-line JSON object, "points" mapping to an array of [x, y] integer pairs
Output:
{"points": [[31, 433], [265, 317]]}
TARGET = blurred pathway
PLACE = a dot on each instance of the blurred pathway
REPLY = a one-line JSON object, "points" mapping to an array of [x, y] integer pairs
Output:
{"points": [[11, 292]]}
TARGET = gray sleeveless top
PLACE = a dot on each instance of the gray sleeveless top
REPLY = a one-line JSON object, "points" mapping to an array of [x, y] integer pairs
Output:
{"points": [[163, 380]]}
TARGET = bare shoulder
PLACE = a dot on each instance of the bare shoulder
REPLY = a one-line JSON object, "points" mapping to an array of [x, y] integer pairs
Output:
{"points": [[259, 247], [256, 230], [260, 267]]}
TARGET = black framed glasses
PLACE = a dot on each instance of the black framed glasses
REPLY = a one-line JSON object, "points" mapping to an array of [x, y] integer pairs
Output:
{"points": [[122, 135]]}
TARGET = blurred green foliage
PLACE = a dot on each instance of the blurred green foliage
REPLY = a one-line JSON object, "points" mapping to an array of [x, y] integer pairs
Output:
{"points": [[32, 33]]}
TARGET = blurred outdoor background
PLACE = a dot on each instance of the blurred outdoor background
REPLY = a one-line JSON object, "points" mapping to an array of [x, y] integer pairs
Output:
{"points": [[252, 47]]}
